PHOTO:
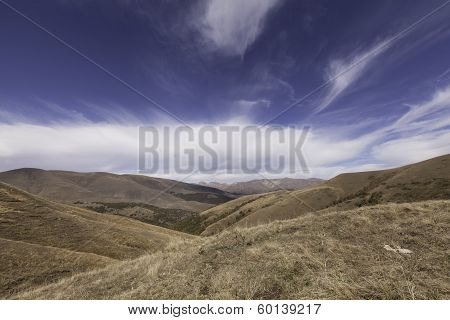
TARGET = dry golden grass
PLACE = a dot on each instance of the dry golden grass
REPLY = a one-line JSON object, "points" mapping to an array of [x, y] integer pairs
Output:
{"points": [[24, 265], [261, 209], [321, 255], [42, 241]]}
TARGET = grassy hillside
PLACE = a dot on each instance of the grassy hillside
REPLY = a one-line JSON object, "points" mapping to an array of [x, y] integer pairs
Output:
{"points": [[426, 180], [175, 219], [264, 185], [322, 255], [71, 187], [166, 203], [42, 241]]}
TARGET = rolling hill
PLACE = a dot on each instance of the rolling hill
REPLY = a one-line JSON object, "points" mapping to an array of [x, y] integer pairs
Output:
{"points": [[76, 187], [166, 203], [427, 180], [42, 241], [263, 185], [394, 251]]}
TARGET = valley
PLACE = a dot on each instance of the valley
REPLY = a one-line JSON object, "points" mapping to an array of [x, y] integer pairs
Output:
{"points": [[367, 235]]}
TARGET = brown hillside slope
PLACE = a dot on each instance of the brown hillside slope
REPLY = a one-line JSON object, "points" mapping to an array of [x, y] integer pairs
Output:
{"points": [[425, 180], [70, 187], [322, 255], [42, 240], [264, 185]]}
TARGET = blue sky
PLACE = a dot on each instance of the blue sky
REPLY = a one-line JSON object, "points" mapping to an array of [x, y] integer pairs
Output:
{"points": [[216, 62]]}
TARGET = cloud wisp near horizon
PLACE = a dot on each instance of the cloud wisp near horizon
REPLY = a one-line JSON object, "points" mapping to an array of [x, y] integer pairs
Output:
{"points": [[214, 63]]}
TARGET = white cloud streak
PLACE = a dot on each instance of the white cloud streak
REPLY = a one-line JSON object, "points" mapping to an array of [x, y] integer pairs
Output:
{"points": [[106, 147], [69, 147], [342, 73], [232, 26], [422, 132], [427, 116], [413, 149]]}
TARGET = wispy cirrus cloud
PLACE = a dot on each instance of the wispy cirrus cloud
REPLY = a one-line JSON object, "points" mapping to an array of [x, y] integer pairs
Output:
{"points": [[421, 132], [343, 72], [232, 26], [413, 148], [429, 115]]}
